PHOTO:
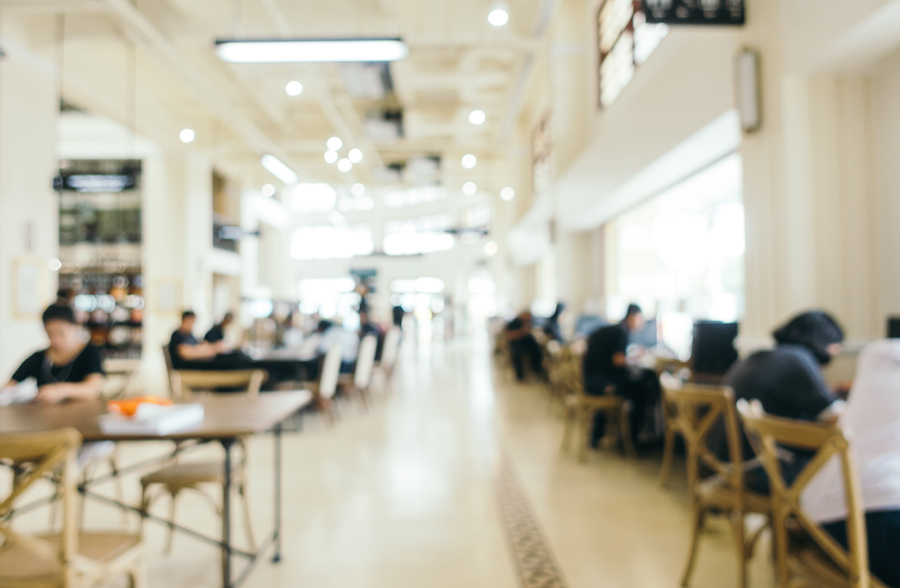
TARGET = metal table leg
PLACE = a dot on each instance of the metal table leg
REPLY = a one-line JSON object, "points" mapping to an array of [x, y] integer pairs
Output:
{"points": [[276, 557], [226, 514]]}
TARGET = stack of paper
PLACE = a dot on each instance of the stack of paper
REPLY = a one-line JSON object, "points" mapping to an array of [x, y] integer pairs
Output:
{"points": [[24, 391], [152, 419]]}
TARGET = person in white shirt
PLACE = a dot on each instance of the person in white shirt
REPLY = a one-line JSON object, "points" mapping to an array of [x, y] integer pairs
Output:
{"points": [[336, 334], [872, 421]]}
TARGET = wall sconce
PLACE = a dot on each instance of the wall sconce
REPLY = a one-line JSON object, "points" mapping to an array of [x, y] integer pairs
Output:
{"points": [[748, 90]]}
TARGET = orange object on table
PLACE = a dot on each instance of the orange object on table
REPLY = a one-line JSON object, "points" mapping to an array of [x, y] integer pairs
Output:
{"points": [[128, 406]]}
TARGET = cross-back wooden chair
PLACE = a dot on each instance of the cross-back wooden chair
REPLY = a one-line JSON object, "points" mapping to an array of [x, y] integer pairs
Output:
{"points": [[669, 368], [195, 475], [68, 559], [696, 409], [581, 408], [555, 356], [805, 554]]}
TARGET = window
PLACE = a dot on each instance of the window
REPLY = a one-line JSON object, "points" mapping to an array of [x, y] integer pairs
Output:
{"points": [[329, 297], [410, 196], [425, 234], [327, 242], [312, 197], [624, 40]]}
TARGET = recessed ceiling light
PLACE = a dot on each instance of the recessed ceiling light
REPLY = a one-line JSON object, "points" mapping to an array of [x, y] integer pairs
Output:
{"points": [[469, 161], [268, 190], [490, 248], [311, 50], [294, 88], [334, 143], [345, 165], [355, 155], [54, 265], [279, 169], [187, 135], [499, 14], [507, 193], [477, 117], [358, 190], [331, 156], [469, 188]]}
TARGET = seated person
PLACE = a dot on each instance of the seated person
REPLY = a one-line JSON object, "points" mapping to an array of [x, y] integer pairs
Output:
{"points": [[523, 344], [189, 354], [367, 327], [788, 381], [217, 332], [552, 328], [70, 368], [332, 334], [872, 415], [605, 364]]}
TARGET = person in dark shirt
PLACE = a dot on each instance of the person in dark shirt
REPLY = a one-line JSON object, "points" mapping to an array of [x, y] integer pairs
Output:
{"points": [[552, 328], [605, 368], [217, 332], [522, 344], [398, 314], [367, 327], [788, 381], [70, 368], [187, 352]]}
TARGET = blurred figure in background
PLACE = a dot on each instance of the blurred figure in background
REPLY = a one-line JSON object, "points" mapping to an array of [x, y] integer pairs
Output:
{"points": [[335, 334], [217, 332], [552, 328], [188, 353], [605, 364], [368, 327], [522, 344]]}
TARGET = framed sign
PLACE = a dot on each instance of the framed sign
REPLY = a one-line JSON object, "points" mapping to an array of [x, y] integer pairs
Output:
{"points": [[695, 12]]}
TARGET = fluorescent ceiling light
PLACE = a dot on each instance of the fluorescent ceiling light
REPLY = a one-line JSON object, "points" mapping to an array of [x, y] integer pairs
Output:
{"points": [[278, 169], [311, 50]]}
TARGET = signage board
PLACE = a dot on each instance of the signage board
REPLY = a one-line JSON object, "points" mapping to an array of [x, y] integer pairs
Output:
{"points": [[695, 12]]}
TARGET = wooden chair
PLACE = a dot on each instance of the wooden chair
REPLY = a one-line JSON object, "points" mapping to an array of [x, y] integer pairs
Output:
{"points": [[176, 477], [697, 409], [805, 554], [170, 370], [325, 389], [69, 559], [581, 408], [389, 352], [555, 357], [667, 368], [361, 381]]}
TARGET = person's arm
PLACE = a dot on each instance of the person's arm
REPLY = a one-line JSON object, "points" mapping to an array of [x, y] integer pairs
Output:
{"points": [[29, 369], [202, 350], [810, 395], [88, 389]]}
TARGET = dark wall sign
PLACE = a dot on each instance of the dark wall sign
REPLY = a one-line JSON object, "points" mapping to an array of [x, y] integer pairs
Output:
{"points": [[695, 12]]}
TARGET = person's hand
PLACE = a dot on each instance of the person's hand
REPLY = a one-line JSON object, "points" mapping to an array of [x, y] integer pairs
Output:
{"points": [[843, 389], [222, 346], [51, 394]]}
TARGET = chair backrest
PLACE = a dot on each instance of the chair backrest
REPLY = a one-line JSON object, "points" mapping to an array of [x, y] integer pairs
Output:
{"points": [[767, 434], [331, 372], [365, 361], [192, 381], [44, 453], [170, 371], [390, 349], [696, 409]]}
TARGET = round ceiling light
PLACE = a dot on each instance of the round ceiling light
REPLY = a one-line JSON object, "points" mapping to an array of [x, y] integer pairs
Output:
{"points": [[355, 155], [335, 143], [498, 17], [358, 190], [293, 88], [469, 161], [268, 190], [331, 156], [345, 165], [187, 135], [490, 248], [477, 117], [469, 188], [507, 193]]}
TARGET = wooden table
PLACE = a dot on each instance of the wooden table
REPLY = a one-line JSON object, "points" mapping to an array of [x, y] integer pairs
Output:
{"points": [[227, 418]]}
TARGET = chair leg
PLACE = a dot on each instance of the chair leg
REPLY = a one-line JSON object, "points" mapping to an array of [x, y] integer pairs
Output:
{"points": [[120, 491], [698, 516], [740, 545], [248, 522], [625, 431], [668, 457], [137, 577], [586, 419], [569, 416], [172, 505]]}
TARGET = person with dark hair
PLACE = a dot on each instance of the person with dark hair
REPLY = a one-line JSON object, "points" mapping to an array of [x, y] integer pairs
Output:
{"points": [[605, 365], [522, 344], [551, 327], [188, 353], [788, 381], [217, 332], [70, 368]]}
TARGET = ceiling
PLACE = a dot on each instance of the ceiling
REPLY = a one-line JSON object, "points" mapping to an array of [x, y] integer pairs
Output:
{"points": [[458, 62]]}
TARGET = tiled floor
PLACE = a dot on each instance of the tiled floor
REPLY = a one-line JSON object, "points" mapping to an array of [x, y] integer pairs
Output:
{"points": [[420, 492]]}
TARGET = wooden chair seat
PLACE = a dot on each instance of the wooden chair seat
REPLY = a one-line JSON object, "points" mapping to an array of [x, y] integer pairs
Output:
{"points": [[595, 402], [716, 491], [189, 474], [22, 567], [817, 569]]}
